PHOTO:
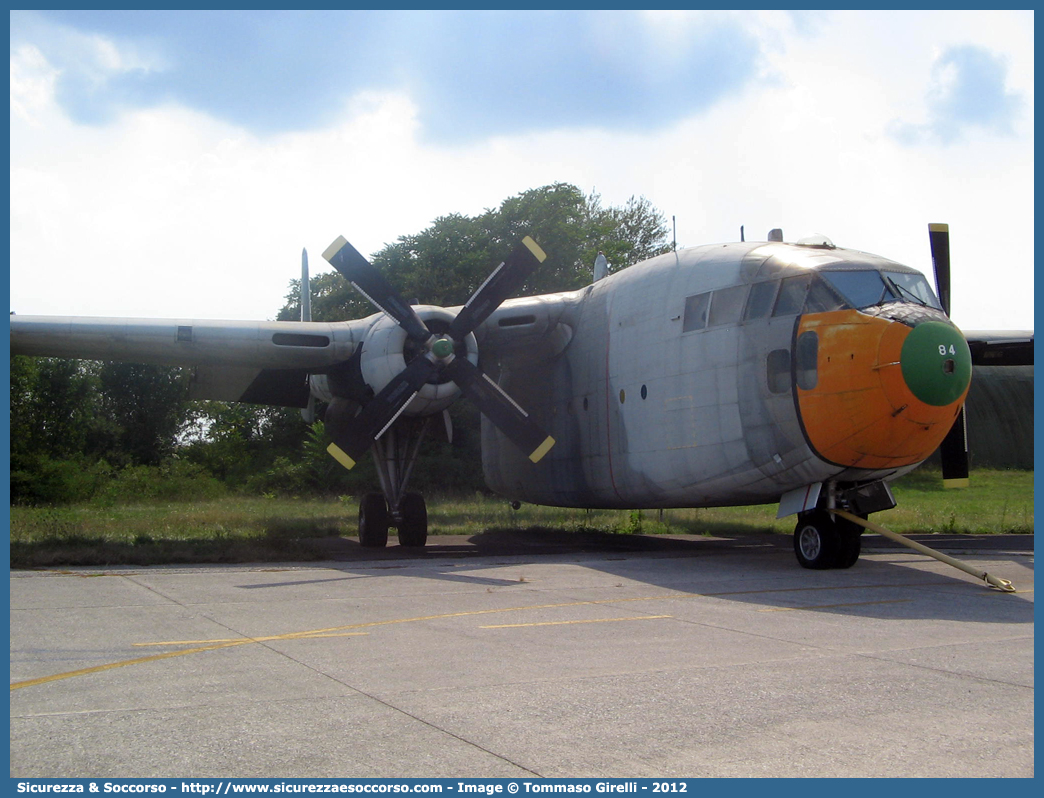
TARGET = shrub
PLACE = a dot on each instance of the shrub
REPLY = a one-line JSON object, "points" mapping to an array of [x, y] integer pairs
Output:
{"points": [[174, 480], [43, 480]]}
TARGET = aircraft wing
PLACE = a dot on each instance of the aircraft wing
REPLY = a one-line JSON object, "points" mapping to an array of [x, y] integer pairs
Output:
{"points": [[1000, 347], [267, 362]]}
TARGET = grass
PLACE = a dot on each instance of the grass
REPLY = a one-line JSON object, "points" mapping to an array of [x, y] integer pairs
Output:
{"points": [[273, 529]]}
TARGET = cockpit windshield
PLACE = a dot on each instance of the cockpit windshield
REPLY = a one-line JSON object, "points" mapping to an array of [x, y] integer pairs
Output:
{"points": [[914, 287], [868, 288]]}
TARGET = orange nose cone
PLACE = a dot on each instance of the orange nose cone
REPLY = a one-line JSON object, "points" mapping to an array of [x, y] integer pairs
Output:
{"points": [[884, 394]]}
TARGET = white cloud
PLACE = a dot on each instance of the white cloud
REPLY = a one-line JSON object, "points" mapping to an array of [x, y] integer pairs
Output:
{"points": [[32, 83], [169, 212], [967, 91]]}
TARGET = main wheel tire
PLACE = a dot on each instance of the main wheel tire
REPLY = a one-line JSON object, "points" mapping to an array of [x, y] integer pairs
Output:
{"points": [[817, 541], [373, 521], [413, 531], [850, 535]]}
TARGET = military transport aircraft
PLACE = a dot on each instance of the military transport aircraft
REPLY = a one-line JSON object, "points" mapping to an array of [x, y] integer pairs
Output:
{"points": [[745, 373]]}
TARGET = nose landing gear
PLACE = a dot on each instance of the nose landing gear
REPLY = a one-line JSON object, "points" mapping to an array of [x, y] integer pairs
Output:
{"points": [[822, 541]]}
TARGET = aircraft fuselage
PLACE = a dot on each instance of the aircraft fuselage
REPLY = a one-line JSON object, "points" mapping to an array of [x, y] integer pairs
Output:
{"points": [[730, 374]]}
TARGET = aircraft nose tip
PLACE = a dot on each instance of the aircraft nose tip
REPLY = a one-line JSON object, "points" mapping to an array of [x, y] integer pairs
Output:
{"points": [[936, 363]]}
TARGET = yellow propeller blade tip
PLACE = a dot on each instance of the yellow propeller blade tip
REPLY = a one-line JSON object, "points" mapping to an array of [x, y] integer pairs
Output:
{"points": [[534, 247], [341, 456], [938, 228], [335, 247], [542, 449]]}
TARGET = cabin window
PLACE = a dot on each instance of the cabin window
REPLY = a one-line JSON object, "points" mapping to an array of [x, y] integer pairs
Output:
{"points": [[759, 303], [779, 370], [695, 312], [727, 305], [807, 356]]}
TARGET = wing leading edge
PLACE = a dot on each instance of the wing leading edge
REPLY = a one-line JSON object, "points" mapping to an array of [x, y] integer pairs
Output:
{"points": [[239, 361], [185, 342]]}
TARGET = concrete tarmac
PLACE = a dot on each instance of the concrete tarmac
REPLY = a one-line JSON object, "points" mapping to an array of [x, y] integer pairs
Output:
{"points": [[574, 657]]}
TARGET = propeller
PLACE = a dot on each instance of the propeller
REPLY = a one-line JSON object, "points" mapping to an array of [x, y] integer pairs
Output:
{"points": [[353, 436], [954, 449], [371, 284]]}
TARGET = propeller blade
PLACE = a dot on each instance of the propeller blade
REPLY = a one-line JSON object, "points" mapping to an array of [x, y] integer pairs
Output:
{"points": [[371, 284], [353, 437], [954, 448], [954, 454], [506, 279], [939, 238], [500, 409]]}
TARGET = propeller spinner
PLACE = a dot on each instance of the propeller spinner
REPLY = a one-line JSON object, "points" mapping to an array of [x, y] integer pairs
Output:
{"points": [[353, 436]]}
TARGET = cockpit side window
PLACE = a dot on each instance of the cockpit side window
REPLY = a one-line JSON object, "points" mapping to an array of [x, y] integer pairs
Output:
{"points": [[759, 303], [792, 295], [864, 289], [822, 298]]}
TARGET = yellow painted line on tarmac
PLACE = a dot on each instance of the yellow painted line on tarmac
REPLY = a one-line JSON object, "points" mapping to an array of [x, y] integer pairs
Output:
{"points": [[331, 631], [566, 623], [813, 588], [339, 631], [290, 636], [139, 661], [213, 645], [833, 606]]}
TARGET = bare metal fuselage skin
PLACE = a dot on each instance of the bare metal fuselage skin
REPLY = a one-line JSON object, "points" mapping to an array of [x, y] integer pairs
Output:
{"points": [[648, 414]]}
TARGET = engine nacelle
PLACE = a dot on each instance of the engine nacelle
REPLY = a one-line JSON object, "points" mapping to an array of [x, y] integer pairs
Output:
{"points": [[386, 351]]}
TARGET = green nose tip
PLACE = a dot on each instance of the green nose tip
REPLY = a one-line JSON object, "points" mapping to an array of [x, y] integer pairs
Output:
{"points": [[936, 363], [442, 347]]}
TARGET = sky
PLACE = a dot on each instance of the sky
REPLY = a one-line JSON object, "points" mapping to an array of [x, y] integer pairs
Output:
{"points": [[174, 164]]}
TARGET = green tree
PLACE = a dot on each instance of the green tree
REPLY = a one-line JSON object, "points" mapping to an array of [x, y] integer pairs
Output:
{"points": [[146, 407], [55, 419], [446, 262], [55, 406], [626, 235]]}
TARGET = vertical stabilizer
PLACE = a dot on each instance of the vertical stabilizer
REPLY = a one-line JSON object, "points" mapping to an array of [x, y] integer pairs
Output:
{"points": [[601, 267], [307, 413], [306, 295]]}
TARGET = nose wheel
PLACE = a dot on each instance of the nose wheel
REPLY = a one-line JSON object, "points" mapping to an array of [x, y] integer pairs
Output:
{"points": [[822, 542]]}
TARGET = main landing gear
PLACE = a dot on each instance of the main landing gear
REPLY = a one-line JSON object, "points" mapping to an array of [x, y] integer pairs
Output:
{"points": [[375, 518], [395, 454], [823, 541]]}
